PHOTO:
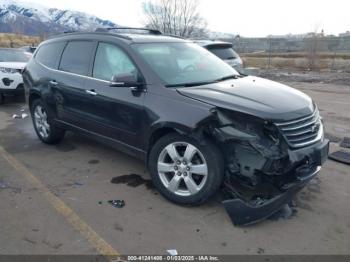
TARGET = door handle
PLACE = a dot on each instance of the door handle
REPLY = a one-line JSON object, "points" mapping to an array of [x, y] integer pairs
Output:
{"points": [[91, 92], [134, 88], [53, 82]]}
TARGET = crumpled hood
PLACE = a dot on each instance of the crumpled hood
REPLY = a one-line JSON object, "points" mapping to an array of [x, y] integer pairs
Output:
{"points": [[13, 65], [255, 96]]}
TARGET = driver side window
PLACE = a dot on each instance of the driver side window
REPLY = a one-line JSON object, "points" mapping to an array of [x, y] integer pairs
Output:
{"points": [[110, 61]]}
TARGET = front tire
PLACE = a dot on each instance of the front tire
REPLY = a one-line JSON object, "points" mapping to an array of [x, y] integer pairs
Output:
{"points": [[44, 124], [185, 171]]}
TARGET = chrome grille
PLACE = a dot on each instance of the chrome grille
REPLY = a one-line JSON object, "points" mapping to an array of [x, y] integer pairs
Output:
{"points": [[302, 131]]}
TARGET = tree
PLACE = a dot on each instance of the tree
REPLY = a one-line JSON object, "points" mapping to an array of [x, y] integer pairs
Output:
{"points": [[175, 17]]}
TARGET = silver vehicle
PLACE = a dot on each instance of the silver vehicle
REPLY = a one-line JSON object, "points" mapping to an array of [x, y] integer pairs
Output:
{"points": [[224, 51]]}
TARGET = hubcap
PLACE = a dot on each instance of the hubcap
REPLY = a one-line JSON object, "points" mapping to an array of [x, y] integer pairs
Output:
{"points": [[41, 124], [182, 168]]}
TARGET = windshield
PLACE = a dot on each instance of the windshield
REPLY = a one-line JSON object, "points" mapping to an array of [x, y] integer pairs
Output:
{"points": [[184, 63], [225, 53], [8, 55]]}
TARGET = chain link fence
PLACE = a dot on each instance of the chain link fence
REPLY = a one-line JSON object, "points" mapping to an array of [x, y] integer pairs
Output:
{"points": [[309, 53]]}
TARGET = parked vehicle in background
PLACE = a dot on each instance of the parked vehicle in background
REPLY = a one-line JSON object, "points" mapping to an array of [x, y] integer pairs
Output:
{"points": [[12, 62], [29, 49], [224, 51], [196, 123]]}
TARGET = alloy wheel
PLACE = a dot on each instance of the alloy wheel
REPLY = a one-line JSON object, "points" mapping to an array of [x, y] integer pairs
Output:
{"points": [[41, 124], [182, 168]]}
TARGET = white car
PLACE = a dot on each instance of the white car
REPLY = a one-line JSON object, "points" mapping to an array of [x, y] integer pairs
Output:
{"points": [[12, 62]]}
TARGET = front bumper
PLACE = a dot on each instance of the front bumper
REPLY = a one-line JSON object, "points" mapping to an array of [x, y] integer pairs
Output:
{"points": [[243, 212], [11, 84]]}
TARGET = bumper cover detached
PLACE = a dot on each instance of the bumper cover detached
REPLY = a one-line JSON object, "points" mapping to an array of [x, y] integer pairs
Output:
{"points": [[243, 212]]}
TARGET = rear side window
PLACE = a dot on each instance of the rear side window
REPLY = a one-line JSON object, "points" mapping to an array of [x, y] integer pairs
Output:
{"points": [[49, 54], [76, 57]]}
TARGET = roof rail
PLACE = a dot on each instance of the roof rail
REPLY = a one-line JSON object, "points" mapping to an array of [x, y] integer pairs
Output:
{"points": [[79, 33], [150, 31]]}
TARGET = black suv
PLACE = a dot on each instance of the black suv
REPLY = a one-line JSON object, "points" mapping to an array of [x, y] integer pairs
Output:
{"points": [[198, 124]]}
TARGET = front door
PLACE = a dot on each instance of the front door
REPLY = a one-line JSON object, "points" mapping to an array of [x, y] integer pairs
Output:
{"points": [[118, 111]]}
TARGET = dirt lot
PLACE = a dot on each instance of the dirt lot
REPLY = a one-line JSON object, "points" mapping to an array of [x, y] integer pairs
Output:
{"points": [[50, 199]]}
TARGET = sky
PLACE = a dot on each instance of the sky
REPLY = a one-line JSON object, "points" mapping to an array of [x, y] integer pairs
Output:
{"points": [[253, 18]]}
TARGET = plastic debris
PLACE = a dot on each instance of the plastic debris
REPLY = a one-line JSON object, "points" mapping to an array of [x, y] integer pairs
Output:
{"points": [[172, 252], [340, 156], [117, 203], [3, 185], [22, 116], [76, 183], [346, 142]]}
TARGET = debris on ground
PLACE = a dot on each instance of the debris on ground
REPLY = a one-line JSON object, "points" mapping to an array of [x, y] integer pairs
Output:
{"points": [[3, 185], [132, 180], [22, 116], [117, 203], [346, 142], [76, 183], [340, 156], [172, 252]]}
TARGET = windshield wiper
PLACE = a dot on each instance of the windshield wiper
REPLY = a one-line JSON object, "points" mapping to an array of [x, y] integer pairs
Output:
{"points": [[191, 84], [226, 78], [204, 82]]}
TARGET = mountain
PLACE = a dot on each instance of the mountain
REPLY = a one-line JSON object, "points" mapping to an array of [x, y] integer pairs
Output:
{"points": [[33, 19]]}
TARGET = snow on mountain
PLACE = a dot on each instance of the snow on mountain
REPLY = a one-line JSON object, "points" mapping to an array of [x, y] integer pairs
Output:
{"points": [[34, 19]]}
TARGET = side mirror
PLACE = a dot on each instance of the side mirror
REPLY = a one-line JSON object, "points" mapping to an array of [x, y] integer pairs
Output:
{"points": [[125, 80]]}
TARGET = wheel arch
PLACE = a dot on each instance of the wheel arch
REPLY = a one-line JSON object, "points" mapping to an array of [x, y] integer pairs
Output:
{"points": [[161, 129], [33, 95]]}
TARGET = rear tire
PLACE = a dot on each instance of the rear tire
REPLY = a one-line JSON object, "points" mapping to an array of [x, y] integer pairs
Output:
{"points": [[185, 171], [44, 124]]}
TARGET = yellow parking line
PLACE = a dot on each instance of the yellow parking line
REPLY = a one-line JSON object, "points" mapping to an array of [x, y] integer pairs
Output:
{"points": [[72, 218]]}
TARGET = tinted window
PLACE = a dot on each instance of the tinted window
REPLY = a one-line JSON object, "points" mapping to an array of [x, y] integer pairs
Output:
{"points": [[49, 54], [76, 57], [224, 52], [8, 55], [111, 60]]}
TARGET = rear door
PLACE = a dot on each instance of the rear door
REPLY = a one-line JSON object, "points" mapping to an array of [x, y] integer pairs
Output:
{"points": [[118, 111], [72, 102]]}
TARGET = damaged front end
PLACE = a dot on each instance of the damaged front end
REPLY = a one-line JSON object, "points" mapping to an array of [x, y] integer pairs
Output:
{"points": [[267, 162]]}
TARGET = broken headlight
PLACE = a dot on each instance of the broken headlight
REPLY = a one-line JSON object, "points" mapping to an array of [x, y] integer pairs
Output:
{"points": [[234, 125]]}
